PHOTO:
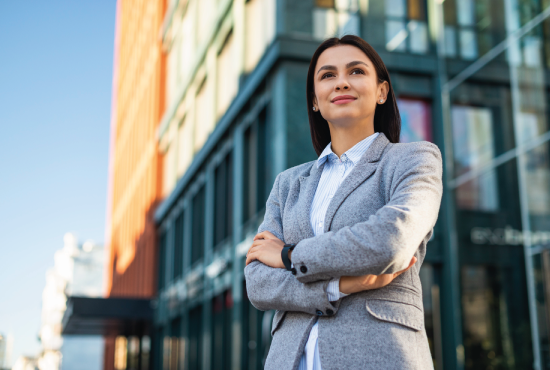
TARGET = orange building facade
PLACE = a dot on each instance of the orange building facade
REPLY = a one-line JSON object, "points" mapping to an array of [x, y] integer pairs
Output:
{"points": [[134, 163], [209, 106]]}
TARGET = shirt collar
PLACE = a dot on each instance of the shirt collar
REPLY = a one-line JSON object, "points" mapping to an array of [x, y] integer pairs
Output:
{"points": [[353, 154]]}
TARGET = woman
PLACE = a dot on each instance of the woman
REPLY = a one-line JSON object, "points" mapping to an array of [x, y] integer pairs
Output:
{"points": [[343, 237]]}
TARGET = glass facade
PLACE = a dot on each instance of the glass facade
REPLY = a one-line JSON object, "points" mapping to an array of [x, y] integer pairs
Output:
{"points": [[469, 75], [496, 107], [406, 26]]}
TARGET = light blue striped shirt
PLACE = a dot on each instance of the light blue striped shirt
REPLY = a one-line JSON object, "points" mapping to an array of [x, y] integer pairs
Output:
{"points": [[335, 171]]}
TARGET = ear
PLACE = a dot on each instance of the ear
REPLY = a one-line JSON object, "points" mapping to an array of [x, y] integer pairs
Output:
{"points": [[383, 91], [314, 101]]}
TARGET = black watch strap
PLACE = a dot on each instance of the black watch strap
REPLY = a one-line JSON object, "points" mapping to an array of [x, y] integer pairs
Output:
{"points": [[284, 255]]}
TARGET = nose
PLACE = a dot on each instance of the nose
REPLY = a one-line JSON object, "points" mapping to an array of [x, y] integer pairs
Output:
{"points": [[342, 84]]}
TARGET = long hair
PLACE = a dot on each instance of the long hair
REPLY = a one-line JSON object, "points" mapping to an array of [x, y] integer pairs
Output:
{"points": [[386, 116]]}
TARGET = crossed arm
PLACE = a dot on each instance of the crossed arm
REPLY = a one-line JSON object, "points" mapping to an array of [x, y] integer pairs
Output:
{"points": [[367, 255], [269, 285]]}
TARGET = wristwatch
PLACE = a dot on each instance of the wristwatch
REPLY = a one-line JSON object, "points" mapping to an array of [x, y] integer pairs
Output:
{"points": [[284, 255]]}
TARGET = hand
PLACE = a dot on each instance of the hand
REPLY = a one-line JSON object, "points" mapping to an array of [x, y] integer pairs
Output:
{"points": [[266, 248], [354, 284]]}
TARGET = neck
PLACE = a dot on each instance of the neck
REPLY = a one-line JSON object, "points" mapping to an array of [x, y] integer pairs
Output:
{"points": [[345, 137]]}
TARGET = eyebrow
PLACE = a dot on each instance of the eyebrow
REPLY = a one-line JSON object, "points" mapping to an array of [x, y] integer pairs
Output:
{"points": [[349, 65]]}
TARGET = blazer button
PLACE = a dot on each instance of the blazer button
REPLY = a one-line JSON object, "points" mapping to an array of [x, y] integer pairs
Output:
{"points": [[330, 312], [319, 313], [293, 270], [303, 269]]}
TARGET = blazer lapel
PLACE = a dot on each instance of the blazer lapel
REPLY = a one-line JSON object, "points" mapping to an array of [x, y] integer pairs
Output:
{"points": [[360, 173], [308, 186]]}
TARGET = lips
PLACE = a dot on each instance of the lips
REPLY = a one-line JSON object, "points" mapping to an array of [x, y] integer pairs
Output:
{"points": [[342, 99]]}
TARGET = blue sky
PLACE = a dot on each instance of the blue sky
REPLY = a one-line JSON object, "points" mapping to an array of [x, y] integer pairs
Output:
{"points": [[55, 99]]}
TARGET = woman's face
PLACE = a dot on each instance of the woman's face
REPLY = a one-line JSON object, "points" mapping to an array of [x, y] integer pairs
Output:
{"points": [[346, 70]]}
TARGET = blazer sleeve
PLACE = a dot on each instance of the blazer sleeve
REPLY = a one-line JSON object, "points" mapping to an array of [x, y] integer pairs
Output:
{"points": [[275, 288], [387, 241]]}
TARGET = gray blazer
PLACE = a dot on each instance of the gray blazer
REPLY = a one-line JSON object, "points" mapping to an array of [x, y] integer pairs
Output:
{"points": [[382, 214]]}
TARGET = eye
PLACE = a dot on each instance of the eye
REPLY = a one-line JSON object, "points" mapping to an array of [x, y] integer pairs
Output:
{"points": [[326, 74], [358, 70]]}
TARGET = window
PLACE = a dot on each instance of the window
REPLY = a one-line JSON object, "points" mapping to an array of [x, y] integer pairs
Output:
{"points": [[182, 46], [172, 69], [195, 338], [204, 116], [537, 166], [259, 30], [256, 169], [429, 278], [223, 200], [121, 352], [335, 18], [263, 169], [132, 352], [474, 148], [176, 348], [157, 350], [187, 41], [178, 248], [416, 122], [162, 262], [185, 147], [466, 34], [495, 322], [222, 308], [249, 166], [256, 334], [197, 232], [406, 27], [206, 14], [145, 352], [228, 76], [169, 169], [472, 27]]}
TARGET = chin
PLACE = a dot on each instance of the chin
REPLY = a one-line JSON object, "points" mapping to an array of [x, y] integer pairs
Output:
{"points": [[345, 118]]}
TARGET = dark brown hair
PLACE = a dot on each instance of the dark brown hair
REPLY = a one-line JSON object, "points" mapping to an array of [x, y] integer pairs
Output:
{"points": [[386, 116]]}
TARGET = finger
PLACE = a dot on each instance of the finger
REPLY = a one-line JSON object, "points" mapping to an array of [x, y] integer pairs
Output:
{"points": [[413, 261], [265, 235], [251, 257], [262, 235], [252, 249], [255, 248], [398, 273], [257, 243]]}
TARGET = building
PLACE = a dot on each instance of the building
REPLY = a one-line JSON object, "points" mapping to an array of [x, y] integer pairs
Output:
{"points": [[469, 76], [209, 106], [25, 363], [3, 354], [77, 272], [134, 175], [123, 316], [6, 344]]}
